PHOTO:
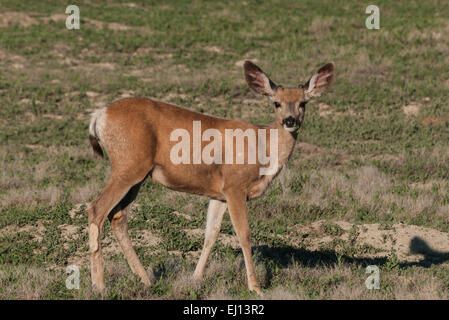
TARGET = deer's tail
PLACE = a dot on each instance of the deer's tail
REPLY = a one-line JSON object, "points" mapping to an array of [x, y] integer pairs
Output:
{"points": [[93, 137]]}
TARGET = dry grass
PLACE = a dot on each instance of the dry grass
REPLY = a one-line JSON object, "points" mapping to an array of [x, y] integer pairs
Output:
{"points": [[420, 287], [364, 66], [21, 181], [369, 184], [31, 196], [321, 26], [86, 192], [33, 285]]}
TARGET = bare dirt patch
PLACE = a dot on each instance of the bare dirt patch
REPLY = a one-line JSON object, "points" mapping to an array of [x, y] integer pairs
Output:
{"points": [[13, 61], [410, 243], [74, 213], [52, 116], [324, 109], [35, 231], [146, 238], [57, 17], [90, 23], [109, 244], [22, 19], [179, 214], [434, 120], [412, 109], [214, 49], [115, 26], [69, 232]]}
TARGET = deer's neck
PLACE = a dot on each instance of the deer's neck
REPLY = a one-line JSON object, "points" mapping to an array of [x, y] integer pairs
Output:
{"points": [[286, 143]]}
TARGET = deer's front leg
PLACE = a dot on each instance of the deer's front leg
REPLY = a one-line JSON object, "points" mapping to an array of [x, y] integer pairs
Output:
{"points": [[214, 217], [237, 211]]}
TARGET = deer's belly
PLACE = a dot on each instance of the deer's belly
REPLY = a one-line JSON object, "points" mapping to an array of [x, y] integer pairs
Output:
{"points": [[186, 181]]}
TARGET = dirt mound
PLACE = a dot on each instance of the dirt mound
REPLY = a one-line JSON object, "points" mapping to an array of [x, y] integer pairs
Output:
{"points": [[410, 243]]}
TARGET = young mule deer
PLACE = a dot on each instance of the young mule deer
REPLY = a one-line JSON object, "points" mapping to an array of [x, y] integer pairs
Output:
{"points": [[137, 134]]}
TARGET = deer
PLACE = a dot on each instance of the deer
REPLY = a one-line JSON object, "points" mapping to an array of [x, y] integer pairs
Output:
{"points": [[135, 133]]}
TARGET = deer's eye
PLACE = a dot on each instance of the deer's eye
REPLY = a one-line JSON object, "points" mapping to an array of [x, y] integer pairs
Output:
{"points": [[277, 104]]}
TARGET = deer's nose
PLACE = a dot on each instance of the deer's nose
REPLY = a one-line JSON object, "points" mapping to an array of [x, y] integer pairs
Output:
{"points": [[289, 122]]}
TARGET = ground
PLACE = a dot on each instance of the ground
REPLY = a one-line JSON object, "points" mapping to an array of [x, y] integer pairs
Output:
{"points": [[366, 185]]}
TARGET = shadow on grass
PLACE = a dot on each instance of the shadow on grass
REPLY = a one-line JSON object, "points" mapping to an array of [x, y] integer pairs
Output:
{"points": [[287, 256]]}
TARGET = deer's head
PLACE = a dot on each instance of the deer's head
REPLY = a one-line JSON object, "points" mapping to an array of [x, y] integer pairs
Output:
{"points": [[289, 102]]}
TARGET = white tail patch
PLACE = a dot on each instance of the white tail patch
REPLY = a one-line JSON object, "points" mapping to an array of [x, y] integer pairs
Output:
{"points": [[96, 123]]}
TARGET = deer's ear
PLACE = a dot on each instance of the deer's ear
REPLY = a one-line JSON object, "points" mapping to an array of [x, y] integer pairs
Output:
{"points": [[258, 80], [320, 82]]}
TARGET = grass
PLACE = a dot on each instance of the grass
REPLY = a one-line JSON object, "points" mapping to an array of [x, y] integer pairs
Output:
{"points": [[360, 160]]}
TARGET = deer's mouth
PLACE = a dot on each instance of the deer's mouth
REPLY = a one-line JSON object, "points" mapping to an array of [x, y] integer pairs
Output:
{"points": [[290, 129]]}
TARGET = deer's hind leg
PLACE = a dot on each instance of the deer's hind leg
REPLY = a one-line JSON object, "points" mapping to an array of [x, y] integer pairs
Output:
{"points": [[119, 222], [117, 188]]}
